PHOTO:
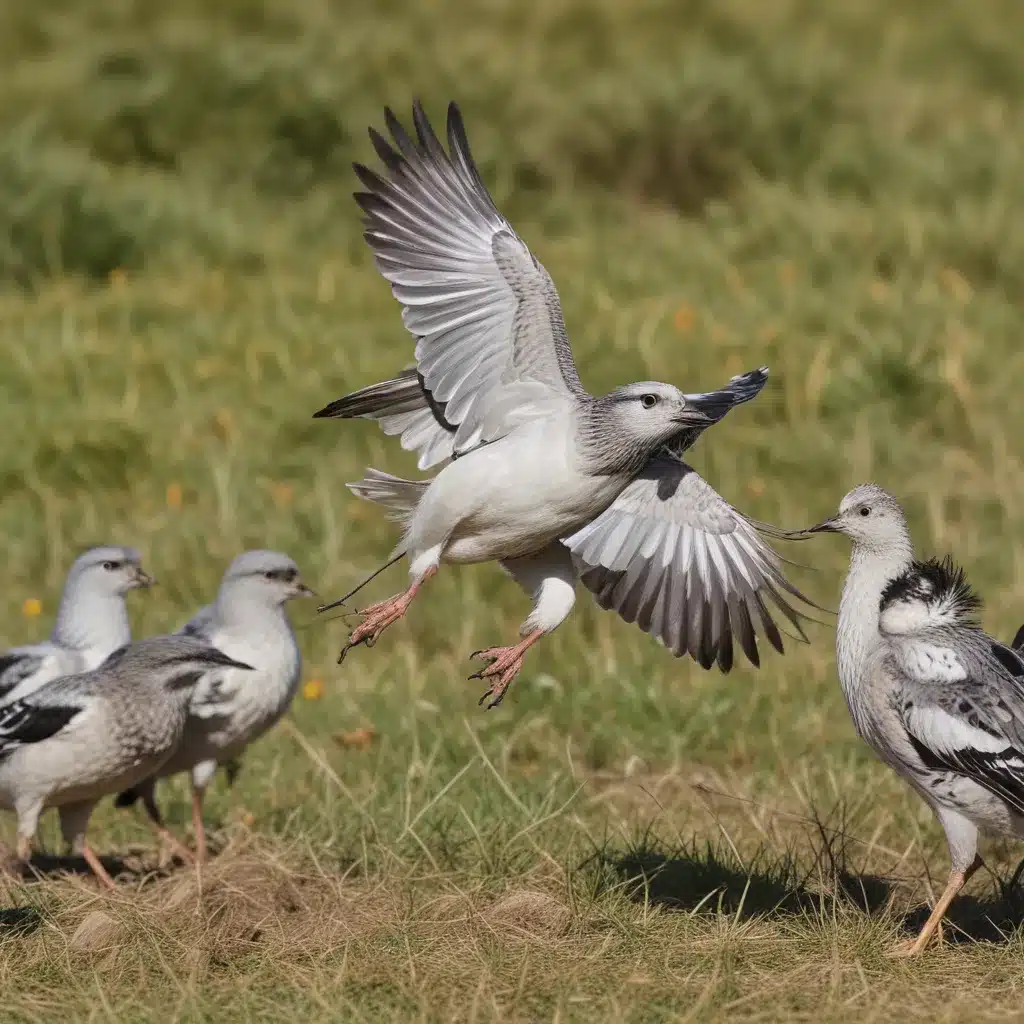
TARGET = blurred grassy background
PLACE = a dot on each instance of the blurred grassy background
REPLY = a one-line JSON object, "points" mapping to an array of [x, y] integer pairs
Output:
{"points": [[831, 189]]}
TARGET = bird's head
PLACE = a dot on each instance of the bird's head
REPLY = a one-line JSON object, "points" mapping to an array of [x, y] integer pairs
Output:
{"points": [[267, 577], [110, 571], [654, 413], [871, 517]]}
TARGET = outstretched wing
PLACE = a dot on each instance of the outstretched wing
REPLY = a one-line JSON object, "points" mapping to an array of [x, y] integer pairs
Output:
{"points": [[484, 311], [674, 557], [401, 406], [962, 705]]}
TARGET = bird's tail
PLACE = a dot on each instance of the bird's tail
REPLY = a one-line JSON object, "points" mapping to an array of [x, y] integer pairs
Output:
{"points": [[400, 497], [401, 394]]}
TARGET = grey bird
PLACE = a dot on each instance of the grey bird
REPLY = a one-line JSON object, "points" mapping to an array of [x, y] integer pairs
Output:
{"points": [[554, 483], [92, 622], [231, 708], [77, 739], [940, 701]]}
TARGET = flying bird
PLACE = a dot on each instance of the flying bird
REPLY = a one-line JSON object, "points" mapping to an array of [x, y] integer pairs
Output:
{"points": [[77, 739], [232, 707], [939, 700], [554, 483], [92, 622]]}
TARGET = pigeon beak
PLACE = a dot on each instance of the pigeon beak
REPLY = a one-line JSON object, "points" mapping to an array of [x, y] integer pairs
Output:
{"points": [[301, 590], [143, 579]]}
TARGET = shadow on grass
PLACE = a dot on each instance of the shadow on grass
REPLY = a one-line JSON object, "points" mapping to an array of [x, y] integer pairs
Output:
{"points": [[991, 918], [44, 866], [712, 879]]}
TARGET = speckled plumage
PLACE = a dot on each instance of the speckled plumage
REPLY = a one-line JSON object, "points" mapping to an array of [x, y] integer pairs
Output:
{"points": [[76, 739], [938, 699], [91, 623]]}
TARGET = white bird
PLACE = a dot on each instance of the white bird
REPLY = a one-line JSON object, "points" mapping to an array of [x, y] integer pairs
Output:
{"points": [[79, 738], [940, 701], [92, 622], [232, 708], [554, 483]]}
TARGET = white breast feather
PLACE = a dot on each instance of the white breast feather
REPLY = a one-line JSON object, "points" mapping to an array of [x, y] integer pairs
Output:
{"points": [[931, 663]]}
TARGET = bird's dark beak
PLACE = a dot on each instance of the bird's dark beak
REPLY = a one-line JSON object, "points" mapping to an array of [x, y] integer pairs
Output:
{"points": [[694, 416], [301, 590], [143, 579], [825, 526]]}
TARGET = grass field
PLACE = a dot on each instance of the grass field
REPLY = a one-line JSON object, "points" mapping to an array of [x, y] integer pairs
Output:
{"points": [[833, 189]]}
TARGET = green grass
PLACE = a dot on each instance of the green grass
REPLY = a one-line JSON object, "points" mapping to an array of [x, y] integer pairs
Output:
{"points": [[831, 189]]}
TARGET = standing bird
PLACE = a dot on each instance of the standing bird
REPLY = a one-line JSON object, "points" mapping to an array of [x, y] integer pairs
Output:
{"points": [[73, 741], [92, 623], [940, 701], [552, 482], [232, 708]]}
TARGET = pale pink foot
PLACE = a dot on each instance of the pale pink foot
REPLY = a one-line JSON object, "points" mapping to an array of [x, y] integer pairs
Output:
{"points": [[381, 615], [505, 663]]}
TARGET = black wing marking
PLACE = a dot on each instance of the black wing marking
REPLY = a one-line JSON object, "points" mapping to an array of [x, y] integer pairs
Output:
{"points": [[1001, 772], [1018, 640], [24, 722], [16, 667]]}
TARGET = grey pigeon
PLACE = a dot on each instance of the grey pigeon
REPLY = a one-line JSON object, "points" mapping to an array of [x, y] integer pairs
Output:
{"points": [[554, 483], [940, 701], [76, 739], [231, 708], [92, 622]]}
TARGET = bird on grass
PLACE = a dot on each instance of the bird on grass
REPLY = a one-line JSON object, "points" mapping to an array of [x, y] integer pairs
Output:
{"points": [[554, 483], [92, 622], [77, 739], [940, 701], [231, 708]]}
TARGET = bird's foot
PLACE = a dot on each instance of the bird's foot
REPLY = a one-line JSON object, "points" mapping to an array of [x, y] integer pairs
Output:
{"points": [[377, 618], [903, 950], [504, 665]]}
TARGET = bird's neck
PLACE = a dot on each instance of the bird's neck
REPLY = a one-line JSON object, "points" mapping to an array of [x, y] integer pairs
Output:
{"points": [[605, 449], [242, 616], [92, 622], [857, 629]]}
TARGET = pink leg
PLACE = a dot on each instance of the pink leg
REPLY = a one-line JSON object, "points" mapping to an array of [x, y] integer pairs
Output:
{"points": [[97, 868], [505, 663], [381, 615]]}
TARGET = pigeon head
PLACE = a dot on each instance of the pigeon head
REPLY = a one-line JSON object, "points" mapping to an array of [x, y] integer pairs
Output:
{"points": [[109, 571], [871, 517], [267, 577]]}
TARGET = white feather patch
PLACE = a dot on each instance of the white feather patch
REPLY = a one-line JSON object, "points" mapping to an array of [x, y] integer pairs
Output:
{"points": [[910, 615], [944, 733], [930, 663]]}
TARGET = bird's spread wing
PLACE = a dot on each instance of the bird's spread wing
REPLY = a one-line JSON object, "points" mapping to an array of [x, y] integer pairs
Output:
{"points": [[401, 406], [962, 705], [484, 311], [30, 721], [674, 557]]}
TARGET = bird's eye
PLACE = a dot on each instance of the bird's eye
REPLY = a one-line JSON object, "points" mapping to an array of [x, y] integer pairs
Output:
{"points": [[864, 510], [648, 401], [111, 566]]}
